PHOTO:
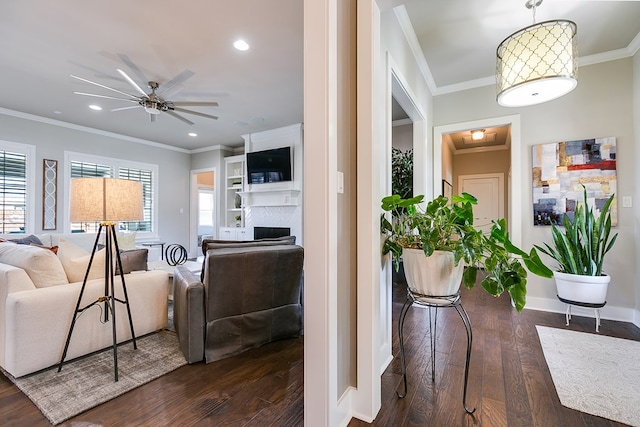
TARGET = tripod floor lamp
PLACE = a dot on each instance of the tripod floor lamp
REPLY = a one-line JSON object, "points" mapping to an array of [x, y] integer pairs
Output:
{"points": [[107, 200]]}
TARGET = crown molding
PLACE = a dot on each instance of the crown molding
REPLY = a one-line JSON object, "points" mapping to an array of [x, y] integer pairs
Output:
{"points": [[67, 125]]}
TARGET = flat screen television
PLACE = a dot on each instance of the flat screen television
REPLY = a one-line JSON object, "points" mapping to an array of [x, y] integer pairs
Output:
{"points": [[269, 166]]}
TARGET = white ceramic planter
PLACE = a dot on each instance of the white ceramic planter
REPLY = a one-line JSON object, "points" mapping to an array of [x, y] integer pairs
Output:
{"points": [[587, 289], [435, 275]]}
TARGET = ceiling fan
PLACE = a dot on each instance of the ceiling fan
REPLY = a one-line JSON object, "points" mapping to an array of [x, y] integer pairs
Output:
{"points": [[154, 102]]}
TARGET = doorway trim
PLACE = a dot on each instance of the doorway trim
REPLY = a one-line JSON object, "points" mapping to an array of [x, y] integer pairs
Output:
{"points": [[193, 207], [516, 181]]}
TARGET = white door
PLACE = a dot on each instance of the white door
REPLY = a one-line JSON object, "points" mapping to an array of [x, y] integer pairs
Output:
{"points": [[489, 190]]}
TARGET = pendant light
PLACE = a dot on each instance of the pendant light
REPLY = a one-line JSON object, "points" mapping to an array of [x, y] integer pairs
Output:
{"points": [[538, 63]]}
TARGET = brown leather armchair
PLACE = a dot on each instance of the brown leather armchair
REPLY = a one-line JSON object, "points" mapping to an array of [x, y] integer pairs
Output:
{"points": [[249, 296]]}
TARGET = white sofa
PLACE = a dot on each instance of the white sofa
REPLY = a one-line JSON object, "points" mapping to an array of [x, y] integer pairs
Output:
{"points": [[34, 321]]}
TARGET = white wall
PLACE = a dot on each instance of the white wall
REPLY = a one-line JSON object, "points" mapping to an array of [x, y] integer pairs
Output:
{"points": [[402, 137], [52, 140], [600, 106]]}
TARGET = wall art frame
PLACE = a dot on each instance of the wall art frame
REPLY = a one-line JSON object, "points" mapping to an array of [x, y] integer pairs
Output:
{"points": [[559, 170], [49, 194]]}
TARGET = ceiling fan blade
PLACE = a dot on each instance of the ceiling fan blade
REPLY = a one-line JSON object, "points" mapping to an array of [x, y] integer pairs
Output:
{"points": [[105, 96], [105, 87], [176, 81], [195, 113], [133, 67], [131, 82], [194, 104], [127, 108], [179, 117]]}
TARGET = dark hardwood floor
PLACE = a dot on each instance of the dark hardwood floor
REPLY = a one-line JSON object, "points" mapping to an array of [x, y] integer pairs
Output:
{"points": [[509, 382]]}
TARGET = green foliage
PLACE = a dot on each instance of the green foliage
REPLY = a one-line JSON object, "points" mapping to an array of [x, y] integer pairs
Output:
{"points": [[447, 225], [402, 172], [585, 241]]}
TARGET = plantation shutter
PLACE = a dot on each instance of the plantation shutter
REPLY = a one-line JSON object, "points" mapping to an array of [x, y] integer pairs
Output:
{"points": [[13, 191]]}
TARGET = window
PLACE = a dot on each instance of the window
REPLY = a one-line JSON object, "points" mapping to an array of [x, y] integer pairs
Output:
{"points": [[16, 183], [95, 166]]}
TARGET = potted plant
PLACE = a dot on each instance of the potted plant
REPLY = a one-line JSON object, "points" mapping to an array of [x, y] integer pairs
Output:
{"points": [[402, 172], [579, 252], [441, 242], [401, 184]]}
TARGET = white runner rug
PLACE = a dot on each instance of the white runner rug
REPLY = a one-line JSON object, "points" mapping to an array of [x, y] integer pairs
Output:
{"points": [[596, 374]]}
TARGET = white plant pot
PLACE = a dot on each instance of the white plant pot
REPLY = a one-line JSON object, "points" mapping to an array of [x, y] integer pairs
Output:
{"points": [[586, 289], [435, 275]]}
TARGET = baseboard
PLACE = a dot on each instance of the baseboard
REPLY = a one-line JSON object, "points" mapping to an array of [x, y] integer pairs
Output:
{"points": [[608, 312]]}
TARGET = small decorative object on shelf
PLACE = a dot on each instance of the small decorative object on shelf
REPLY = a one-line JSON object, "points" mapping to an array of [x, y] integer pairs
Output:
{"points": [[176, 254]]}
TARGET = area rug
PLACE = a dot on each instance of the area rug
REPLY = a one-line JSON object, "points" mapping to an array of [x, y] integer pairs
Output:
{"points": [[595, 374], [88, 382]]}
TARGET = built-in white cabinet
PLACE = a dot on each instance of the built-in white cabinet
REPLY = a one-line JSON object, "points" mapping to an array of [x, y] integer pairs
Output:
{"points": [[234, 233], [234, 187]]}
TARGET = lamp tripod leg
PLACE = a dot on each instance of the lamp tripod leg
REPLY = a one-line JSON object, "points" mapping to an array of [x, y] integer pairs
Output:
{"points": [[109, 298], [77, 309]]}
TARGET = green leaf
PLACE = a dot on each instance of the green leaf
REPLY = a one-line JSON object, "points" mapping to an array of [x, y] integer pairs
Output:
{"points": [[469, 276]]}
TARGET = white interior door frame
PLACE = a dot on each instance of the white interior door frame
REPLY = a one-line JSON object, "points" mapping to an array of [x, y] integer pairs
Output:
{"points": [[193, 207], [517, 176]]}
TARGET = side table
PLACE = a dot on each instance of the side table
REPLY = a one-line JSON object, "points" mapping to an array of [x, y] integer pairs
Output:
{"points": [[152, 244]]}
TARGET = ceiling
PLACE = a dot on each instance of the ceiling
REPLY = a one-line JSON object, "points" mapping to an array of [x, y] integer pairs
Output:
{"points": [[43, 43]]}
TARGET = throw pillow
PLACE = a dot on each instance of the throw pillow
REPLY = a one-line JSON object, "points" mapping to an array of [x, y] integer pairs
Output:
{"points": [[41, 265], [134, 260], [53, 249], [27, 240], [75, 261], [126, 241]]}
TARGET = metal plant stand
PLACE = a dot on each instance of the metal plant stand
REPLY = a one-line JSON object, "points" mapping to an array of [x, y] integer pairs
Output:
{"points": [[436, 302]]}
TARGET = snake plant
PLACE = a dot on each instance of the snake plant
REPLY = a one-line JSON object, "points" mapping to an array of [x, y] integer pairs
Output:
{"points": [[581, 248]]}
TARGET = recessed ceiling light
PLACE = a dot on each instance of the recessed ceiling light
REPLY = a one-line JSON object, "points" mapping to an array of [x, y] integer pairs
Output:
{"points": [[241, 45], [95, 107], [193, 134], [477, 134], [57, 112]]}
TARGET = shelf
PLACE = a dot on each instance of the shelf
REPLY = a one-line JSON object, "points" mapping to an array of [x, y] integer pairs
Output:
{"points": [[274, 197], [239, 187], [235, 210], [235, 177]]}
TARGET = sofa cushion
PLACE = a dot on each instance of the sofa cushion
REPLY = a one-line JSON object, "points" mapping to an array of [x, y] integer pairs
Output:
{"points": [[43, 266], [133, 260], [53, 249], [75, 261]]}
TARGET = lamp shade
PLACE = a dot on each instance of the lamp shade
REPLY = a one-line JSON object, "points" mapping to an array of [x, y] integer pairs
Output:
{"points": [[537, 64], [105, 199]]}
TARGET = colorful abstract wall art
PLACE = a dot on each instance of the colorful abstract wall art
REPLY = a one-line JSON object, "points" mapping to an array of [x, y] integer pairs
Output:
{"points": [[559, 171]]}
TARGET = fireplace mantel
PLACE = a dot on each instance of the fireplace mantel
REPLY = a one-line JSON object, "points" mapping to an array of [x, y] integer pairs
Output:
{"points": [[279, 197]]}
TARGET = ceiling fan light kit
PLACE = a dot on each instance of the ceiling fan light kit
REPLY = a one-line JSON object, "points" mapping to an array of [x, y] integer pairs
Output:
{"points": [[153, 103], [538, 63]]}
